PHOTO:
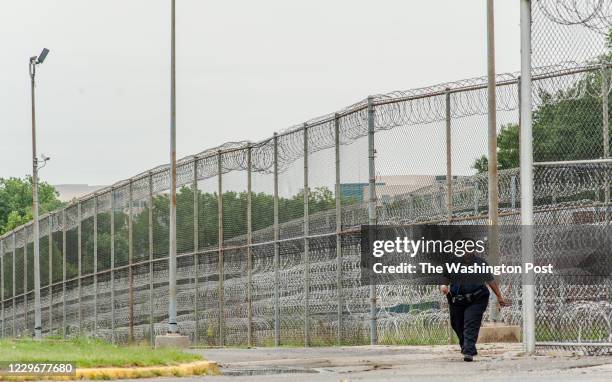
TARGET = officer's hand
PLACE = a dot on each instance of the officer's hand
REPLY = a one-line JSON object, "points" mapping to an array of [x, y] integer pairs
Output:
{"points": [[444, 289], [503, 302]]}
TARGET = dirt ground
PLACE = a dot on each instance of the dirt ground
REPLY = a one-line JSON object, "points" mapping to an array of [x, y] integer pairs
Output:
{"points": [[495, 362]]}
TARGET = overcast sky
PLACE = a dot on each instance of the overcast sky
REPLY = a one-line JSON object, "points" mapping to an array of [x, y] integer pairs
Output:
{"points": [[245, 69]]}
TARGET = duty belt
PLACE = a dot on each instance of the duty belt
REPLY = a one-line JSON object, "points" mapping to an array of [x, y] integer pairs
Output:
{"points": [[468, 297]]}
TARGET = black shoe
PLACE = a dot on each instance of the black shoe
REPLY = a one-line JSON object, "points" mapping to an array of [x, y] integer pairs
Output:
{"points": [[468, 358]]}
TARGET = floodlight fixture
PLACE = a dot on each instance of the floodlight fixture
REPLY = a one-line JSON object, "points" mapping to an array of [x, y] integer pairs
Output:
{"points": [[43, 55]]}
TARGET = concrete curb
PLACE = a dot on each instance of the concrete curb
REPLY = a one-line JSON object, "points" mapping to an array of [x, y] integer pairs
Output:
{"points": [[106, 373]]}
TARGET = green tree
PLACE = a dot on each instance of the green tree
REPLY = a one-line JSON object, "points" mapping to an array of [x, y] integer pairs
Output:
{"points": [[567, 125], [16, 201], [507, 150]]}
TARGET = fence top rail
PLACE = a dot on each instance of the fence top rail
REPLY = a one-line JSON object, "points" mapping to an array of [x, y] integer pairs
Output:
{"points": [[467, 85], [479, 83]]}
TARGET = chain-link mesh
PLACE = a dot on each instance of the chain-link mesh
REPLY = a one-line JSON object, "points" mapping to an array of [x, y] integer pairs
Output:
{"points": [[570, 30], [571, 123], [268, 233]]}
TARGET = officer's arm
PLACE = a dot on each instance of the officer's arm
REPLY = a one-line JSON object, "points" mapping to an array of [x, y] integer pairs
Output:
{"points": [[444, 288], [495, 288]]}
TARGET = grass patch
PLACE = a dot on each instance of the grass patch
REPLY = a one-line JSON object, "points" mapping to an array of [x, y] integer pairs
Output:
{"points": [[87, 353]]}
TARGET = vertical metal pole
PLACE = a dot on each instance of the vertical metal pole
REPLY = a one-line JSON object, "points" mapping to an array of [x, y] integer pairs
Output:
{"points": [[130, 262], [172, 325], [249, 247], [79, 264], [338, 193], [410, 206], [50, 274], [25, 277], [2, 283], [476, 199], [605, 89], [95, 264], [526, 173], [64, 223], [449, 173], [372, 212], [276, 249], [449, 181], [513, 186], [605, 84], [513, 192], [492, 135], [491, 113], [306, 243], [221, 260], [36, 226], [112, 254], [520, 101], [14, 285], [196, 246], [151, 207]]}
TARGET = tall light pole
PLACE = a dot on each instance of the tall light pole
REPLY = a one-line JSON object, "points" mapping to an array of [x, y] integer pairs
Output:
{"points": [[172, 325], [34, 61], [492, 143]]}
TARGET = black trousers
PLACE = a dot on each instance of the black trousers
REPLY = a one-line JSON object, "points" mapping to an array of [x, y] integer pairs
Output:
{"points": [[466, 319]]}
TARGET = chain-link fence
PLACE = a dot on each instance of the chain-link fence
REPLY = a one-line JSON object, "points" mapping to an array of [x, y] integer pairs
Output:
{"points": [[268, 232], [568, 123]]}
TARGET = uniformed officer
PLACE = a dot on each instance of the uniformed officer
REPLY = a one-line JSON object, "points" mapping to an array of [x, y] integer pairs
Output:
{"points": [[468, 297]]}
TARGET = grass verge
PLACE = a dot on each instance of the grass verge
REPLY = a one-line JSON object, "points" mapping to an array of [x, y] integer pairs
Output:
{"points": [[91, 353]]}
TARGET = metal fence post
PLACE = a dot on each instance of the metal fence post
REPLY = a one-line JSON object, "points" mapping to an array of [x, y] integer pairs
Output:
{"points": [[64, 247], [410, 206], [449, 173], [25, 277], [372, 211], [221, 265], [338, 193], [439, 202], [526, 174], [306, 244], [276, 248], [112, 259], [172, 261], [151, 207], [605, 89], [476, 198], [520, 123], [131, 261], [2, 283], [513, 191], [519, 100], [196, 245], [14, 285], [449, 182], [95, 263], [249, 249], [79, 262]]}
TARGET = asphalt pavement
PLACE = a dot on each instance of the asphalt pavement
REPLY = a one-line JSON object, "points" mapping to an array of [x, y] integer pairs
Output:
{"points": [[495, 362]]}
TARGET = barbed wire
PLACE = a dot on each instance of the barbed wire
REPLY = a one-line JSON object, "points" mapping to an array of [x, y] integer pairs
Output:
{"points": [[593, 14], [568, 80]]}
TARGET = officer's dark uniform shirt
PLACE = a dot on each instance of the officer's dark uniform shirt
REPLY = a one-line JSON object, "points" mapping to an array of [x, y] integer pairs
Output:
{"points": [[462, 283]]}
